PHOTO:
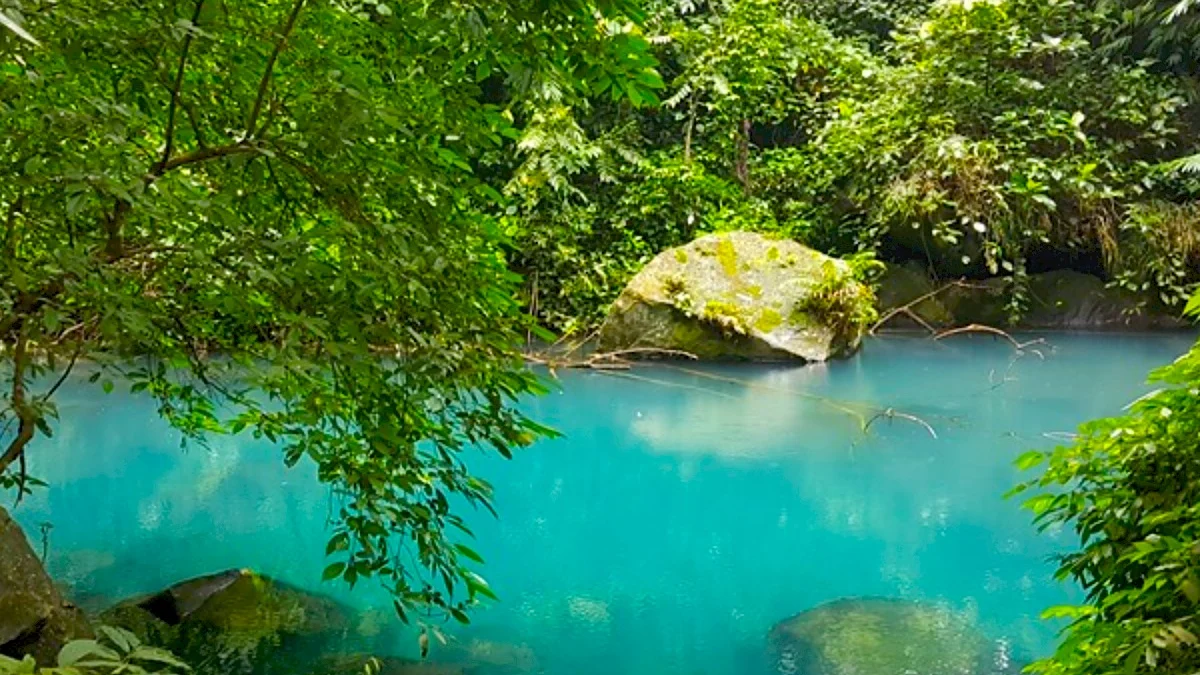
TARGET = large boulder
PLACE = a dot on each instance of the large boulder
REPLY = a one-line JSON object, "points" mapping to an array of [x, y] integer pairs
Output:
{"points": [[238, 622], [35, 620], [878, 636], [741, 295]]}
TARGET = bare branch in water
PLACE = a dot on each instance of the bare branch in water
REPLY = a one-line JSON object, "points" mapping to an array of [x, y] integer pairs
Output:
{"points": [[892, 413], [991, 330], [907, 308]]}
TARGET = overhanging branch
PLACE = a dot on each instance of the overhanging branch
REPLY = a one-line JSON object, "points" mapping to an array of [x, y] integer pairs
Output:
{"points": [[265, 83]]}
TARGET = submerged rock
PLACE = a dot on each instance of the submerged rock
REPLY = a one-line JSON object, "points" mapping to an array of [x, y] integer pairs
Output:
{"points": [[355, 664], [35, 620], [237, 622], [879, 636], [740, 295]]}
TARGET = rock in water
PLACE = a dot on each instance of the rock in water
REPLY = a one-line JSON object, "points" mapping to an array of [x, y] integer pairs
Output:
{"points": [[238, 622], [34, 618], [744, 296], [869, 636]]}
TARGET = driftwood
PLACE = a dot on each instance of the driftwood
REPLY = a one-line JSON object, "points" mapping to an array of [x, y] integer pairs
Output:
{"points": [[907, 308], [614, 360]]}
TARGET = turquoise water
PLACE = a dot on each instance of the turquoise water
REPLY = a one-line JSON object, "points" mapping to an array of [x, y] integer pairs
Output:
{"points": [[681, 516]]}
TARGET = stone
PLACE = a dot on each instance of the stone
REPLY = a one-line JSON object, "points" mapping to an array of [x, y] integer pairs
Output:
{"points": [[238, 622], [1058, 300], [1072, 300], [740, 295], [35, 620], [869, 636], [903, 283], [356, 664]]}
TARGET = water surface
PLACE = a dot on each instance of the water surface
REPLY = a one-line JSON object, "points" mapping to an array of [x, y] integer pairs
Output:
{"points": [[681, 516]]}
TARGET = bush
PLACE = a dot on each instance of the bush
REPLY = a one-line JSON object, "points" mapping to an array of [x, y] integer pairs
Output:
{"points": [[117, 652], [1129, 486]]}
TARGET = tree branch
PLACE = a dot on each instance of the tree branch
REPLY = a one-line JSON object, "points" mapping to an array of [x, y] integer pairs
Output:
{"points": [[114, 248], [201, 155], [174, 105], [265, 82], [25, 421]]}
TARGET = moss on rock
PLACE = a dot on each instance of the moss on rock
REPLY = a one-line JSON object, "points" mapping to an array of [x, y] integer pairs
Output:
{"points": [[237, 622], [880, 636], [744, 296]]}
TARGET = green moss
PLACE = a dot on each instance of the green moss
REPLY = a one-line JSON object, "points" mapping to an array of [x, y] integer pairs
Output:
{"points": [[681, 256], [726, 315], [853, 637], [674, 285], [839, 301], [727, 255], [768, 320], [773, 253]]}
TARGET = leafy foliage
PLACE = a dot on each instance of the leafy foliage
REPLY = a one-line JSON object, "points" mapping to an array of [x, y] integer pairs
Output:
{"points": [[117, 651], [1127, 486], [983, 137], [268, 217], [843, 298]]}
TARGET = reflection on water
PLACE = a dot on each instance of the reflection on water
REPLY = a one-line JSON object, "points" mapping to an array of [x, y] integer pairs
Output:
{"points": [[678, 521]]}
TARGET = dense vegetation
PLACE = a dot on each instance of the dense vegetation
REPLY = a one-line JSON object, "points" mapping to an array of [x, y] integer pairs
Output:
{"points": [[328, 222], [989, 138], [264, 215], [1128, 486]]}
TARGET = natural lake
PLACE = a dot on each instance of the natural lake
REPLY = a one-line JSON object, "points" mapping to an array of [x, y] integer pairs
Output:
{"points": [[686, 511]]}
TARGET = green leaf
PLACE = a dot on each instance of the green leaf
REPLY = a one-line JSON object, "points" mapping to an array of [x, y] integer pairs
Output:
{"points": [[121, 638], [1029, 460], [339, 542], [333, 571], [467, 552], [156, 655], [77, 650], [459, 616], [9, 23], [1193, 306]]}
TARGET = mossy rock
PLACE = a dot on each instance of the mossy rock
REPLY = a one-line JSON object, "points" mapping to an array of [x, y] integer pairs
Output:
{"points": [[1058, 300], [237, 622], [1073, 300], [35, 619], [908, 282], [356, 664], [881, 636], [738, 295]]}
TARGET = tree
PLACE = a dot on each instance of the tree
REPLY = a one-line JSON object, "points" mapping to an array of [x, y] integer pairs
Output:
{"points": [[1129, 486], [265, 215]]}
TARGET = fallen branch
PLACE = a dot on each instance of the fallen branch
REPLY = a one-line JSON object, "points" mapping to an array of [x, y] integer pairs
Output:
{"points": [[990, 330], [892, 413], [907, 308], [614, 360]]}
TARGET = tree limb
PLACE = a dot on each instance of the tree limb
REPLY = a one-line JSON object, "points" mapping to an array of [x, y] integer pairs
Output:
{"points": [[174, 105], [265, 82], [25, 418]]}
